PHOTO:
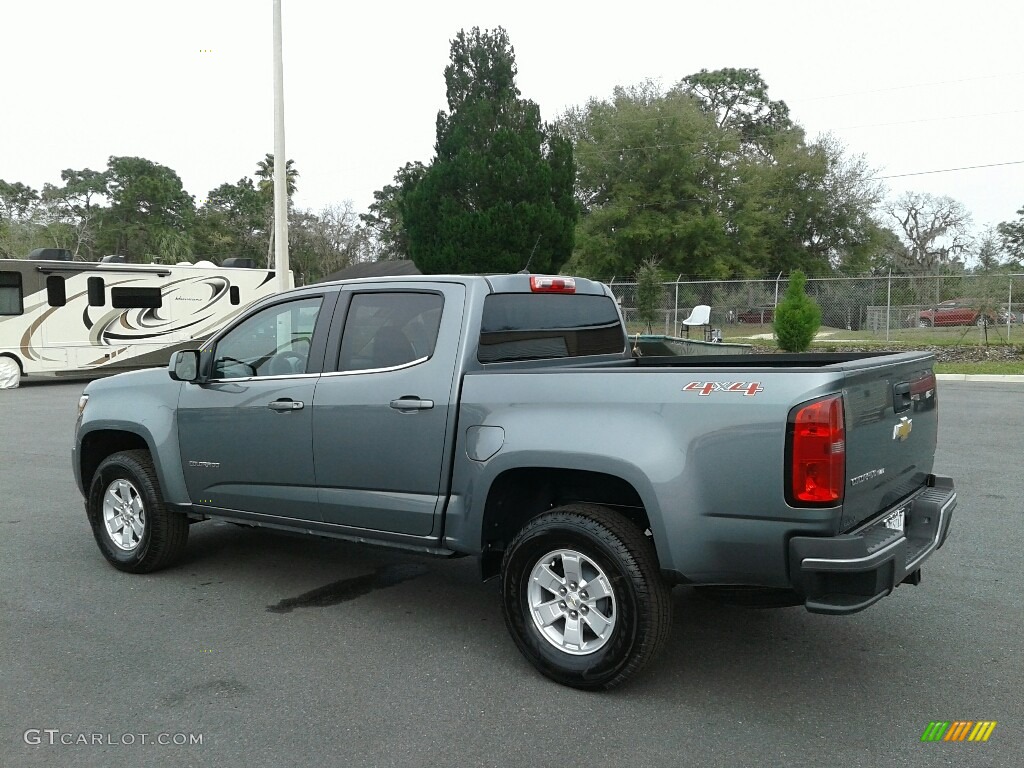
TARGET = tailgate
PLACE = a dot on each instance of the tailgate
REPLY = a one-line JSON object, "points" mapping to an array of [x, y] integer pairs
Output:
{"points": [[892, 426]]}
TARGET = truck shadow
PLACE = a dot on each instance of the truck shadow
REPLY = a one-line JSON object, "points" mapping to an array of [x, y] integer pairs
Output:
{"points": [[734, 659], [718, 655]]}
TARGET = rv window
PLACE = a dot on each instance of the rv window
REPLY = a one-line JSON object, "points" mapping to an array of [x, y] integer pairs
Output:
{"points": [[10, 293], [97, 289], [55, 293], [127, 298]]}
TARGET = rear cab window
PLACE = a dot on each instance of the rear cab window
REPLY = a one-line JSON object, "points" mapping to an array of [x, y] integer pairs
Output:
{"points": [[538, 326]]}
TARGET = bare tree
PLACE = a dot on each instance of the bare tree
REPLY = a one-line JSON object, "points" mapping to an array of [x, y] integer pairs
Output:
{"points": [[935, 230], [326, 242], [990, 251]]}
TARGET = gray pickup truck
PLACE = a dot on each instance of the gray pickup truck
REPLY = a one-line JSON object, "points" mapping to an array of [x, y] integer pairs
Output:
{"points": [[506, 417]]}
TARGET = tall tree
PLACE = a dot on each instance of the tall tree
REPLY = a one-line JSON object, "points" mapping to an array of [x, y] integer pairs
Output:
{"points": [[990, 251], [738, 99], [265, 173], [497, 196], [1012, 234], [811, 204], [642, 182], [19, 227], [666, 175], [383, 221], [936, 231], [16, 200], [232, 222], [74, 208], [150, 213]]}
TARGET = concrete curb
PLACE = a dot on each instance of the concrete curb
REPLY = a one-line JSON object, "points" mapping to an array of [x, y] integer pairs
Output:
{"points": [[978, 377]]}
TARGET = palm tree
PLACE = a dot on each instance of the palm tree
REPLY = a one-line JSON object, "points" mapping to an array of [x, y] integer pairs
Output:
{"points": [[265, 174]]}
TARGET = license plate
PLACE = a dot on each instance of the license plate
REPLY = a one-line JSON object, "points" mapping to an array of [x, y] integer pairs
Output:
{"points": [[895, 520]]}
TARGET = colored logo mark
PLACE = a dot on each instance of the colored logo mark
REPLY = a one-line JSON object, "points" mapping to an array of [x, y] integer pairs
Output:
{"points": [[958, 730], [705, 388]]}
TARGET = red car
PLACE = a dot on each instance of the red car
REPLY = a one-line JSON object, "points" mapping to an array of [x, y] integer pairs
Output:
{"points": [[953, 312], [760, 315]]}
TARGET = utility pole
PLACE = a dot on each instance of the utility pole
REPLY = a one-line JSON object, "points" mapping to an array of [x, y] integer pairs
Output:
{"points": [[280, 163]]}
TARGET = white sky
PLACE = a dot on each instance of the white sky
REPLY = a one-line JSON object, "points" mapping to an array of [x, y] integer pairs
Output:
{"points": [[915, 86]]}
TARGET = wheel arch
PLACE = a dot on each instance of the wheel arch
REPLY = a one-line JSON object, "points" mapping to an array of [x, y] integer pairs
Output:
{"points": [[520, 494], [98, 444], [94, 445], [16, 359]]}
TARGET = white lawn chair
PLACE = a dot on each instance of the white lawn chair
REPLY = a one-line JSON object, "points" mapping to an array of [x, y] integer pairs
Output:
{"points": [[699, 315]]}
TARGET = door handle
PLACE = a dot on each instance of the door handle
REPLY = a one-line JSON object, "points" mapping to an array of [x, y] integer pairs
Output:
{"points": [[286, 405], [411, 403]]}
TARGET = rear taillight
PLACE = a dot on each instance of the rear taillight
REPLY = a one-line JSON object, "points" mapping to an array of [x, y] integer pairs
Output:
{"points": [[545, 284], [816, 452]]}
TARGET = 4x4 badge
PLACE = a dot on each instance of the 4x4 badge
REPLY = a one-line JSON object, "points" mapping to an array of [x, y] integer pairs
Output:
{"points": [[705, 388], [901, 431]]}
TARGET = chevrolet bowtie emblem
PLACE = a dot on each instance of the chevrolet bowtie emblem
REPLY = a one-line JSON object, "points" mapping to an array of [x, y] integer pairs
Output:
{"points": [[901, 431]]}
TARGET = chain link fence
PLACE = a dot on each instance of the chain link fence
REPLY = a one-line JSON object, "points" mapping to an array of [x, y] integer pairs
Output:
{"points": [[867, 307]]}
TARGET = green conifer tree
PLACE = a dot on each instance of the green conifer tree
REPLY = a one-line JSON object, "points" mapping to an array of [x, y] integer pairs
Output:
{"points": [[498, 195], [797, 317]]}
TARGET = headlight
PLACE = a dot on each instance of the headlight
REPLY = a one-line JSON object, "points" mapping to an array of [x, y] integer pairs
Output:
{"points": [[81, 405]]}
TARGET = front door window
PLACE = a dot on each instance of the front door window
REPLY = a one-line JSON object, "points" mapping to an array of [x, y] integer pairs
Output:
{"points": [[274, 342]]}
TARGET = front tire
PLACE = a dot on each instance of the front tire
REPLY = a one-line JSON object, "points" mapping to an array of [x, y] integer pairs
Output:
{"points": [[132, 526], [583, 597]]}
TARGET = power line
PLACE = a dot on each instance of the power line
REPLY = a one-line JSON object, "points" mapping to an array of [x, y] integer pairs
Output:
{"points": [[929, 120], [701, 143], [910, 86], [949, 170], [668, 202]]}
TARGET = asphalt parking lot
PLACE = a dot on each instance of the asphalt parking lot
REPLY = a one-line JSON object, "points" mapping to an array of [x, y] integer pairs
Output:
{"points": [[285, 651]]}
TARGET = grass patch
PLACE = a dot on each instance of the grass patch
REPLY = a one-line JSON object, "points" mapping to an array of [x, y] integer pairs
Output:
{"points": [[910, 337], [991, 367]]}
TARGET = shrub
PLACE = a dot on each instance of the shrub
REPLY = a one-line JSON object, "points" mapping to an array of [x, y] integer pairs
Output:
{"points": [[797, 318], [650, 293]]}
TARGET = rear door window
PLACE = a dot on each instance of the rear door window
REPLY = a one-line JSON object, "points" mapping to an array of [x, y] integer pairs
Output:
{"points": [[387, 329]]}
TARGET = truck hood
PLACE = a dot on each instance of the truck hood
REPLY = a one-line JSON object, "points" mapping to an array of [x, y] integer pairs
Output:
{"points": [[151, 379]]}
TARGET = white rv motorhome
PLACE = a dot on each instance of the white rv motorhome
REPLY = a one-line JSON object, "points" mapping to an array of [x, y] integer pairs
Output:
{"points": [[72, 318]]}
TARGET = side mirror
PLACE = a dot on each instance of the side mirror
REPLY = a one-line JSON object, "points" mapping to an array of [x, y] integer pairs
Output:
{"points": [[184, 365]]}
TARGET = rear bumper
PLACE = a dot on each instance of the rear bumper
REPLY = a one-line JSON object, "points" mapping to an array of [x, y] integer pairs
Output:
{"points": [[845, 574]]}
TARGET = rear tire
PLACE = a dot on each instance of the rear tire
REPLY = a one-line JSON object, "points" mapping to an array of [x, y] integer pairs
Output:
{"points": [[133, 528], [583, 596]]}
